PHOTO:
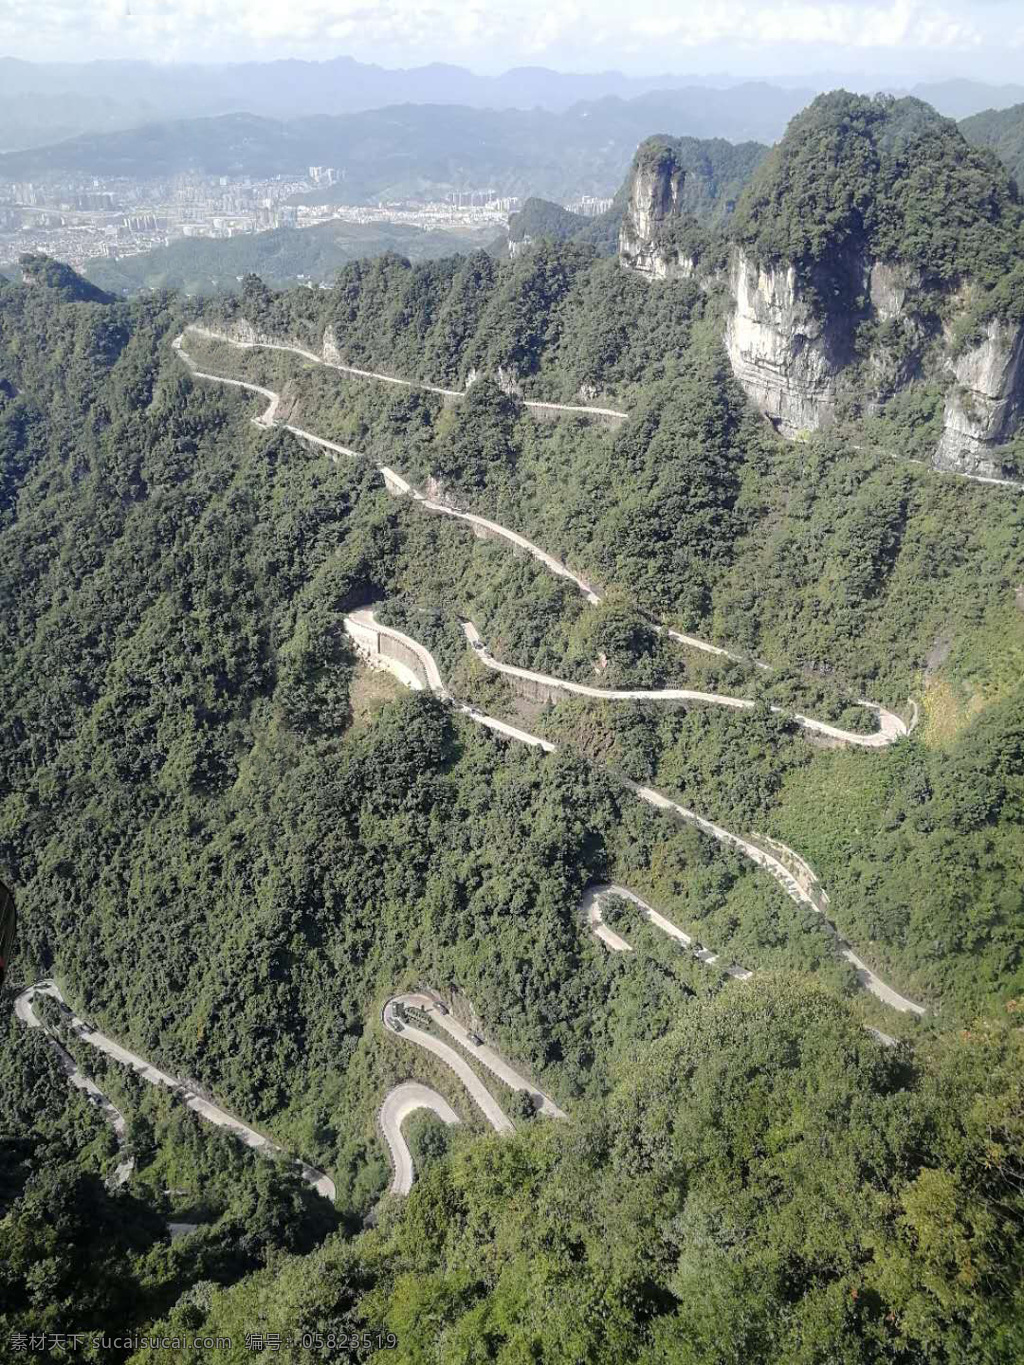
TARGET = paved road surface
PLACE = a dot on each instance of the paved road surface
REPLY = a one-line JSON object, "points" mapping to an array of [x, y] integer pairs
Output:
{"points": [[891, 726], [207, 1110], [24, 1011], [796, 892], [766, 860], [401, 671], [478, 1092], [492, 1060], [399, 1104], [582, 409], [431, 672], [591, 906]]}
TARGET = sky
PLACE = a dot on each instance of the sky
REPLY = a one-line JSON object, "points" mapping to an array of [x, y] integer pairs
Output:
{"points": [[768, 38]]}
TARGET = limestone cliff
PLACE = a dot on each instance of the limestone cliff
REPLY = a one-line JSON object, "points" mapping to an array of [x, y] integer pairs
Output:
{"points": [[677, 181], [653, 200], [846, 335], [786, 357], [985, 403], [845, 281]]}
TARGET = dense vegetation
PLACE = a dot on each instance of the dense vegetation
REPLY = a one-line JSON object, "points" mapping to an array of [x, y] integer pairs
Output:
{"points": [[1002, 131], [283, 256], [810, 557], [540, 220], [887, 179], [706, 177], [230, 843]]}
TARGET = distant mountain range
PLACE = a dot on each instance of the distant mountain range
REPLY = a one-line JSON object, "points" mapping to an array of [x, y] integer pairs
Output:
{"points": [[424, 150], [42, 103]]}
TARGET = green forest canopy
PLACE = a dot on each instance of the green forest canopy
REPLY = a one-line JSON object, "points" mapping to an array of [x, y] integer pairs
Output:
{"points": [[230, 860]]}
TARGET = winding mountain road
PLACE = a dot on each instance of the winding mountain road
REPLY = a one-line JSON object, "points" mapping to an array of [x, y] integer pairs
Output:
{"points": [[476, 1089], [891, 727], [24, 1011], [400, 1103], [764, 859], [543, 405], [591, 907], [213, 1113], [486, 1056]]}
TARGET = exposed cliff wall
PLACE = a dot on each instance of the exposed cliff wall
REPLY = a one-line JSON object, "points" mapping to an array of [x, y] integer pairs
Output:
{"points": [[653, 200], [985, 403], [786, 357], [848, 331], [863, 245], [675, 181]]}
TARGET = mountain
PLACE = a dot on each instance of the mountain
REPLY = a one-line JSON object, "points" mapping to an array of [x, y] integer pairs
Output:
{"points": [[204, 265], [404, 150], [540, 220], [244, 821], [233, 842], [59, 279], [1002, 131], [960, 99], [46, 101], [874, 252]]}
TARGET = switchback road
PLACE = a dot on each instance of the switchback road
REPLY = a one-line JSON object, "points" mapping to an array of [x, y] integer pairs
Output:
{"points": [[801, 894], [891, 727], [399, 1104], [206, 1109]]}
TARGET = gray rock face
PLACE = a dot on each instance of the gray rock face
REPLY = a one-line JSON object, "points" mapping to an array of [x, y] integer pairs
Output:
{"points": [[792, 339], [785, 356], [985, 403], [653, 199]]}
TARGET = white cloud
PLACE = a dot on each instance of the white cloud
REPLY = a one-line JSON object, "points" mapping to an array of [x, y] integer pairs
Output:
{"points": [[568, 33]]}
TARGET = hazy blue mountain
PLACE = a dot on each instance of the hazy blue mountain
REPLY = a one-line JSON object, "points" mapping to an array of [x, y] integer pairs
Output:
{"points": [[961, 98], [412, 150], [42, 102]]}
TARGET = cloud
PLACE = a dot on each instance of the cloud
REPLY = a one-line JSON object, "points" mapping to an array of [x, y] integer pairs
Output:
{"points": [[495, 35]]}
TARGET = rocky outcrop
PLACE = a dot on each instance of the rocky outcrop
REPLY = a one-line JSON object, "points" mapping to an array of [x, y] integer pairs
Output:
{"points": [[810, 343], [985, 403], [653, 194], [787, 357], [654, 200]]}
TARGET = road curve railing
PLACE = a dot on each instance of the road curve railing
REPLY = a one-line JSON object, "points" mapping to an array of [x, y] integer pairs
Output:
{"points": [[205, 1108]]}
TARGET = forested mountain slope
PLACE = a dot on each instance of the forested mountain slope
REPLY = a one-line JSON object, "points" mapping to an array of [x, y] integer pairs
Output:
{"points": [[1001, 130], [231, 844], [872, 268]]}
